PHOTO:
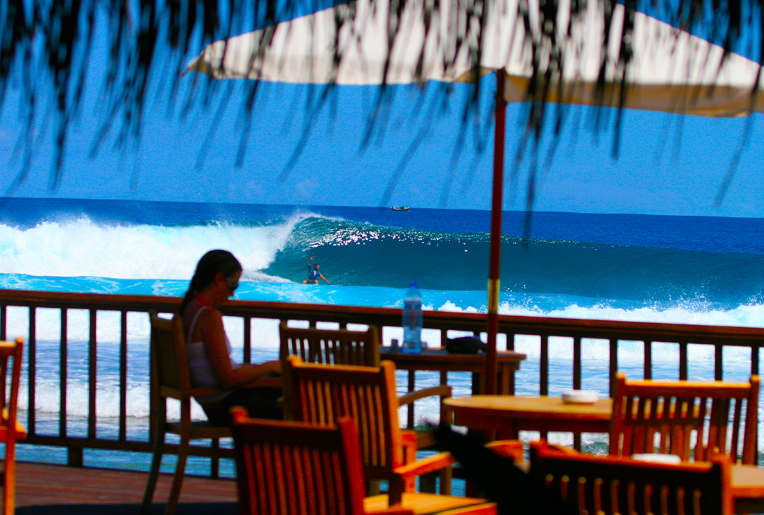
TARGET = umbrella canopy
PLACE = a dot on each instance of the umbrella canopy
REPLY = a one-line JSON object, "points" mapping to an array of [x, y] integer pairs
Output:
{"points": [[597, 53], [361, 43]]}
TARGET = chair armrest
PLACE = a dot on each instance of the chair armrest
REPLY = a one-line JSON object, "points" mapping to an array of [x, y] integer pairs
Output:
{"points": [[425, 466], [509, 449], [441, 391]]}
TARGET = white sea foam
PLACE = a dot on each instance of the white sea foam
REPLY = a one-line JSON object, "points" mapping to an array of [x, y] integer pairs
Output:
{"points": [[83, 248]]}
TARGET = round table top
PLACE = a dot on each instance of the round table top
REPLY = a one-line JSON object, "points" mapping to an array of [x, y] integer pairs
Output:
{"points": [[531, 407]]}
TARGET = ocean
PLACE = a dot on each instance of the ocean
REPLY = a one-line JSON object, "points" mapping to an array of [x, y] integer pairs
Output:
{"points": [[697, 270]]}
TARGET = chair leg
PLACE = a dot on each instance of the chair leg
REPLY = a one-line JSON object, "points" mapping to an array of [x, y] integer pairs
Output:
{"points": [[9, 480], [156, 461], [446, 475], [177, 480]]}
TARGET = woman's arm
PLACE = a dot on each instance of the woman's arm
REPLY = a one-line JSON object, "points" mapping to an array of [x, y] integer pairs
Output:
{"points": [[213, 334]]}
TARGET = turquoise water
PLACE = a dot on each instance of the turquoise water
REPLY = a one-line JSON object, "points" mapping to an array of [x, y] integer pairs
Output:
{"points": [[613, 267]]}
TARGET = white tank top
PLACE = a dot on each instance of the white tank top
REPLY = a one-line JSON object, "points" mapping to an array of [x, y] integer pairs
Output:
{"points": [[202, 373]]}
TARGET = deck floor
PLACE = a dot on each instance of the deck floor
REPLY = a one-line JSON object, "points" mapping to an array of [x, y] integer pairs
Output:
{"points": [[56, 489]]}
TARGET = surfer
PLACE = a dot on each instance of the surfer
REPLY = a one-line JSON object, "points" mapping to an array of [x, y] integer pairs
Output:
{"points": [[313, 274]]}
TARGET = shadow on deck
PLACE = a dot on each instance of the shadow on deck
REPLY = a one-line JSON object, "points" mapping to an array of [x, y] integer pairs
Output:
{"points": [[55, 489]]}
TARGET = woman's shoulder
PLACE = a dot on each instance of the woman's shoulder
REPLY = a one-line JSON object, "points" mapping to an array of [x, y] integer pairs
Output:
{"points": [[202, 315]]}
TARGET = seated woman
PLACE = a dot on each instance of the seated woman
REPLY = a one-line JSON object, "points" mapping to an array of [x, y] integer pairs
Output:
{"points": [[209, 351]]}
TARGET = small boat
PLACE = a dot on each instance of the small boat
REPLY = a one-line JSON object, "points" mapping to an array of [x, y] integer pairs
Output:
{"points": [[400, 208]]}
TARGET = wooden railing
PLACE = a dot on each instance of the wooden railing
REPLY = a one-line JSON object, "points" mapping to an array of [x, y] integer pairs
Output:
{"points": [[510, 326]]}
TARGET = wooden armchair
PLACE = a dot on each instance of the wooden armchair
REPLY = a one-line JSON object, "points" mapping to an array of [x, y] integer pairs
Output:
{"points": [[691, 419], [343, 347], [171, 380], [366, 394], [11, 430], [608, 485], [295, 468]]}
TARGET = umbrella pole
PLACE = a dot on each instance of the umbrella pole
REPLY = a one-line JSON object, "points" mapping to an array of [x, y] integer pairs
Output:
{"points": [[496, 212]]}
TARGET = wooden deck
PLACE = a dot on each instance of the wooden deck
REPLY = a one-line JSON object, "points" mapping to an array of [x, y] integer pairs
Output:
{"points": [[57, 489]]}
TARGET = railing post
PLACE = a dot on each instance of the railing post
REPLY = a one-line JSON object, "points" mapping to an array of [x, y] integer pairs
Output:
{"points": [[247, 339], [683, 361], [32, 370], [123, 377], [718, 361], [92, 370], [62, 373], [613, 363], [577, 363], [3, 322], [74, 457], [648, 373]]}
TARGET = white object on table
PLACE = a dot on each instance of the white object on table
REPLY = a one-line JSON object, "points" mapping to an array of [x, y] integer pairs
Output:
{"points": [[580, 397], [658, 458]]}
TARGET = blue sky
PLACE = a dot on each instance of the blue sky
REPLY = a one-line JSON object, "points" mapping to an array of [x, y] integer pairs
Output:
{"points": [[659, 169]]}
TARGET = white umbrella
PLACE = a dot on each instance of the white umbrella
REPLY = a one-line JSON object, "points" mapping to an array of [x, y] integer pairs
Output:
{"points": [[670, 70], [601, 55]]}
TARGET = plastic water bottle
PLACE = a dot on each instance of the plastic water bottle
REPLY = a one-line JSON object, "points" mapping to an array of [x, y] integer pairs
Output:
{"points": [[412, 321]]}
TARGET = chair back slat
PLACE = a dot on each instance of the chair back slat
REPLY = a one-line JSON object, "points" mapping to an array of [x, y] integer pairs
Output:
{"points": [[324, 394], [692, 419], [609, 485], [168, 353], [292, 468]]}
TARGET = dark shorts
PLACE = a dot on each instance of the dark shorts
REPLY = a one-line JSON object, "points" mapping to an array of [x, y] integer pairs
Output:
{"points": [[259, 403]]}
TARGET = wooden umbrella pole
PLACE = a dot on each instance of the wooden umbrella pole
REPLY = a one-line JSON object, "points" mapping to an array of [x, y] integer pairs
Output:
{"points": [[496, 212]]}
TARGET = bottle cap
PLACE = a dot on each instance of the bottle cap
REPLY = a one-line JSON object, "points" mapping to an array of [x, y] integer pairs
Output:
{"points": [[413, 284]]}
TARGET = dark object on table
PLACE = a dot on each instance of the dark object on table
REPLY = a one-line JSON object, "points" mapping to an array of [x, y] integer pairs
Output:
{"points": [[464, 345], [497, 478]]}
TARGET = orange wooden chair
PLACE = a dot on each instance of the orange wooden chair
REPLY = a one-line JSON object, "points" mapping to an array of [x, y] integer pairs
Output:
{"points": [[366, 394], [691, 419], [608, 485], [11, 430], [295, 468], [171, 380], [343, 347]]}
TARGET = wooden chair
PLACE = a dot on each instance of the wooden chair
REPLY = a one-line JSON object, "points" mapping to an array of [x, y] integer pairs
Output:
{"points": [[691, 419], [612, 484], [326, 347], [171, 380], [343, 347], [11, 430], [295, 468], [330, 346], [367, 394]]}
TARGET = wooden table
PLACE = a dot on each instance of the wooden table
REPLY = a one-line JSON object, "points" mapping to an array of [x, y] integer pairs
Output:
{"points": [[510, 414], [748, 488], [440, 360]]}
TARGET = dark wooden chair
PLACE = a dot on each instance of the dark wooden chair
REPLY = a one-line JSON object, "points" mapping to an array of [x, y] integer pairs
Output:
{"points": [[323, 394], [330, 346], [11, 430], [171, 380], [608, 485], [296, 468], [692, 419]]}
